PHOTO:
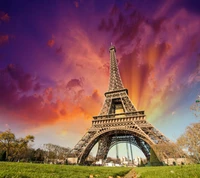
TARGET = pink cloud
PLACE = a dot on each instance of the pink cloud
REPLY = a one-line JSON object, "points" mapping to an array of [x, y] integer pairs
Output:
{"points": [[37, 86], [74, 83], [59, 50], [18, 100], [51, 42], [4, 17], [76, 4], [24, 80], [114, 10], [45, 106], [48, 94], [4, 39]]}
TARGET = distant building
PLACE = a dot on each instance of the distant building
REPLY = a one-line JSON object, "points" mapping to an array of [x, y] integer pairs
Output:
{"points": [[72, 160], [124, 160], [176, 161], [111, 164], [100, 162]]}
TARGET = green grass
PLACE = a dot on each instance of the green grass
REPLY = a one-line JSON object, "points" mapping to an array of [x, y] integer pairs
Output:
{"points": [[186, 171], [29, 170]]}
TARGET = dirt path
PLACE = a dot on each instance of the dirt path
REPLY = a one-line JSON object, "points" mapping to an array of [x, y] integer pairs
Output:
{"points": [[131, 174]]}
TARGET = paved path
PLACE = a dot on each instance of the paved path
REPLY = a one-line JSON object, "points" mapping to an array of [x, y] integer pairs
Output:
{"points": [[131, 174]]}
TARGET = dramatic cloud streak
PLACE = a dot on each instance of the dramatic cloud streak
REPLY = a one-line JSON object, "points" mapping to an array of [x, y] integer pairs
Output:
{"points": [[54, 65], [156, 69]]}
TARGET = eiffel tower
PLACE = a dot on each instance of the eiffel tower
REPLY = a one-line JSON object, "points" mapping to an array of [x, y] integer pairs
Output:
{"points": [[118, 121]]}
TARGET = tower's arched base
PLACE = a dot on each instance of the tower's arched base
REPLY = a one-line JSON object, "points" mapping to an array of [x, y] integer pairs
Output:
{"points": [[118, 120]]}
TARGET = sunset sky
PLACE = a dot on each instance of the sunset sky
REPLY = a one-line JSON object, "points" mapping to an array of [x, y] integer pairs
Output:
{"points": [[54, 63]]}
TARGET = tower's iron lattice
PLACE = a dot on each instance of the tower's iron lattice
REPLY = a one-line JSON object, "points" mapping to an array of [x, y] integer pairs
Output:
{"points": [[118, 121]]}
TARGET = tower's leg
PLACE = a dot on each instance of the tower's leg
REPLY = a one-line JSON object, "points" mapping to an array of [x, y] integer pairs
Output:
{"points": [[117, 152], [131, 152], [127, 151], [143, 146], [103, 147]]}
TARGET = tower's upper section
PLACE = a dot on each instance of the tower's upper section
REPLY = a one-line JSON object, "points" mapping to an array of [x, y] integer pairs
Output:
{"points": [[115, 82]]}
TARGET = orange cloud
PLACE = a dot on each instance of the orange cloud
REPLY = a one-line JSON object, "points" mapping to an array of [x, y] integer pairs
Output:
{"points": [[153, 53], [91, 105], [63, 112]]}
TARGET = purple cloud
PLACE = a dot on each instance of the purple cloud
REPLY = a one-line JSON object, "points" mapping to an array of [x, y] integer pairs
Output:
{"points": [[74, 83]]}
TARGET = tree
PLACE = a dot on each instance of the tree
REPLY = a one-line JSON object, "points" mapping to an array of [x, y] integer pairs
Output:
{"points": [[22, 146], [195, 107], [15, 149], [7, 139], [190, 141], [168, 150], [39, 155], [3, 156], [55, 152]]}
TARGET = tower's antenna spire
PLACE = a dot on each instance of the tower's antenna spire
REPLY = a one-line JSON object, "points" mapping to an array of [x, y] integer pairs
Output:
{"points": [[115, 82]]}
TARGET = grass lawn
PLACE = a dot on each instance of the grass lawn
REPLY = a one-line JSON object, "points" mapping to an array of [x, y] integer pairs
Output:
{"points": [[29, 170], [185, 171]]}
